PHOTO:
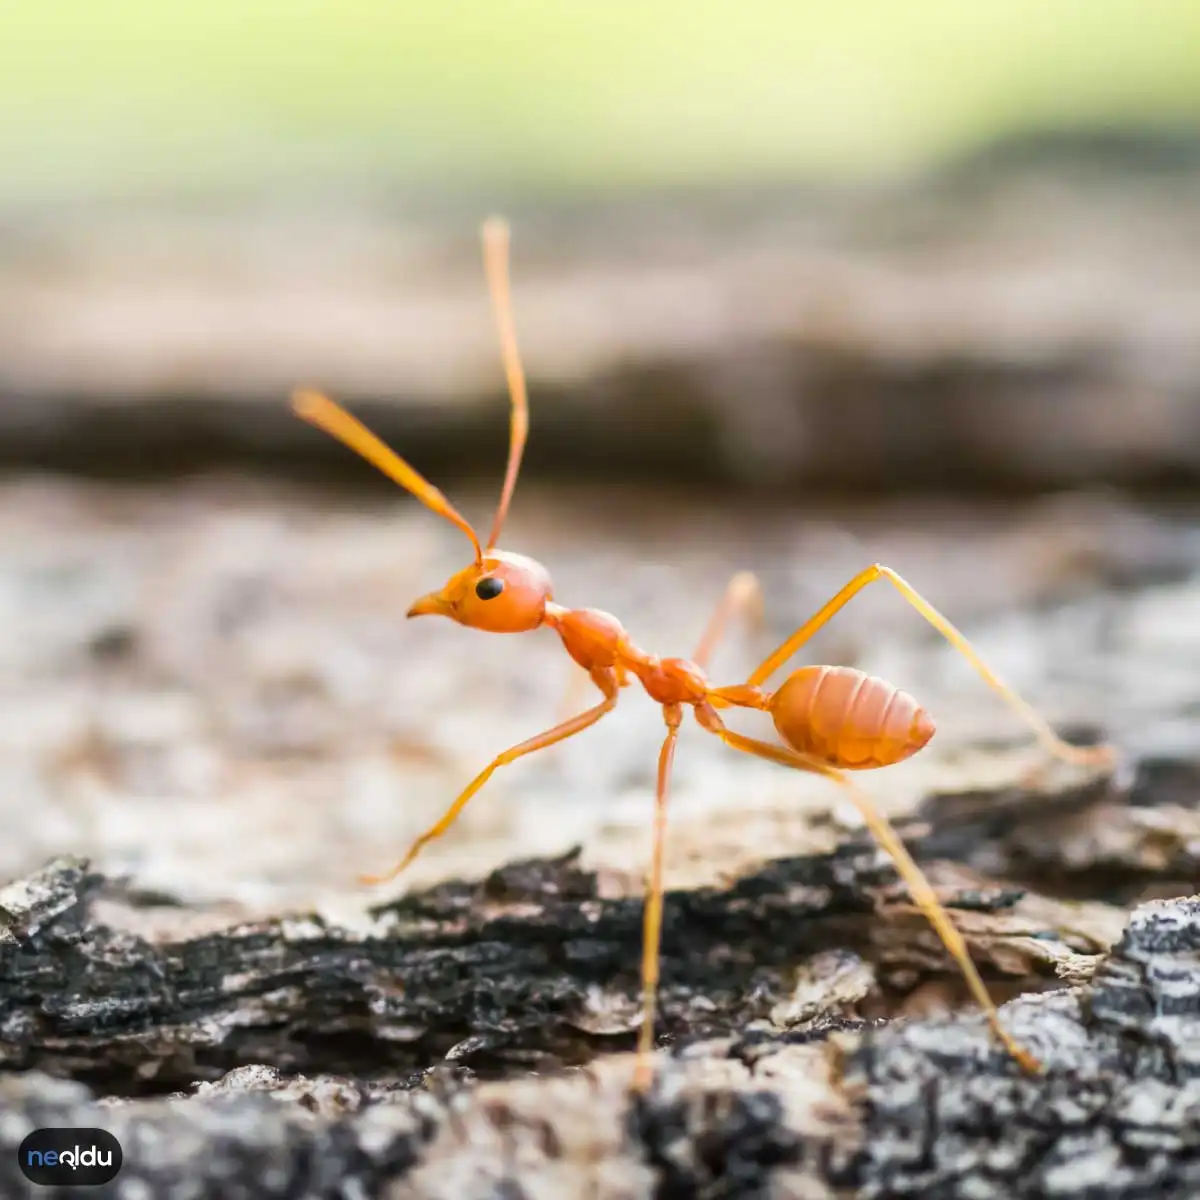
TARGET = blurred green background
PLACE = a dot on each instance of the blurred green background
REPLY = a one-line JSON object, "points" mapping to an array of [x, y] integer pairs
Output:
{"points": [[154, 97]]}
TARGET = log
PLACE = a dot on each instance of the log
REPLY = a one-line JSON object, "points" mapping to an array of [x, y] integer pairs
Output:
{"points": [[529, 969], [456, 1046]]}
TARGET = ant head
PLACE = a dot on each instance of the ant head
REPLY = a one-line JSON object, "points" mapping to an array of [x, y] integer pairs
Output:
{"points": [[499, 592], [504, 593]]}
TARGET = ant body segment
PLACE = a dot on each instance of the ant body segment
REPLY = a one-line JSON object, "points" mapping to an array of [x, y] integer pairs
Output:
{"points": [[830, 720]]}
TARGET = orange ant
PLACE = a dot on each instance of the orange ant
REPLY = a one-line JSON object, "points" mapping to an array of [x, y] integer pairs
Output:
{"points": [[830, 719]]}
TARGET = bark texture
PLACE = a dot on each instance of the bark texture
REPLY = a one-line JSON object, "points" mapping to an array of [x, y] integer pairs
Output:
{"points": [[454, 1046]]}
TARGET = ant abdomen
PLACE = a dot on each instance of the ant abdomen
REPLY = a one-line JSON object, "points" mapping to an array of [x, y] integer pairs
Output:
{"points": [[849, 719]]}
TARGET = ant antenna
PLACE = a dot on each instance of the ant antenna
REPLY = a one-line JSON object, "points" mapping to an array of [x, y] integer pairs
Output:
{"points": [[319, 410], [495, 260]]}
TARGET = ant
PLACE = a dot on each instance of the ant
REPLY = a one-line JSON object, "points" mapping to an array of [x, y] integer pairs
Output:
{"points": [[830, 719]]}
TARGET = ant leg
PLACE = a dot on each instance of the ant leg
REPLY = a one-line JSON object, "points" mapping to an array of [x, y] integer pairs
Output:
{"points": [[605, 680], [742, 595], [1081, 755], [881, 829], [573, 692], [652, 920]]}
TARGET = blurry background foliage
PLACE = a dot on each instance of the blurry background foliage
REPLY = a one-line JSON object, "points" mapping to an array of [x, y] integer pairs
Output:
{"points": [[106, 99]]}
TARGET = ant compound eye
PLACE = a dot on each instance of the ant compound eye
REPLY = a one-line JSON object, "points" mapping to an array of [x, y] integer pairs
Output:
{"points": [[489, 587]]}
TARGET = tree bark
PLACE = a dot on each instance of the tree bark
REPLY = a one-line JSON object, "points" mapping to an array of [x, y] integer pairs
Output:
{"points": [[456, 1047]]}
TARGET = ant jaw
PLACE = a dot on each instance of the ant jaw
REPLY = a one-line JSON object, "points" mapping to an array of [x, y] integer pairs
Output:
{"points": [[432, 605]]}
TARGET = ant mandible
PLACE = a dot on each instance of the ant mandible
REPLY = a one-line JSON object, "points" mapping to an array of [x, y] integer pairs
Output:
{"points": [[830, 719]]}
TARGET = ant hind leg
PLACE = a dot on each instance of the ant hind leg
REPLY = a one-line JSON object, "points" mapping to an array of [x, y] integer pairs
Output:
{"points": [[881, 830], [1092, 756]]}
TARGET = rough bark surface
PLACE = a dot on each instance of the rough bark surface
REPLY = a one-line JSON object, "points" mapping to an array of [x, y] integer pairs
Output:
{"points": [[531, 968], [760, 1095]]}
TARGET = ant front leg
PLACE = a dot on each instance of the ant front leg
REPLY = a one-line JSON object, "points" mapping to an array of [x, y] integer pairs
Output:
{"points": [[605, 680], [1078, 755], [653, 913], [881, 829]]}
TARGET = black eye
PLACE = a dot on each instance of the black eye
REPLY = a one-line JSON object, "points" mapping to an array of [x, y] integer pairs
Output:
{"points": [[489, 587]]}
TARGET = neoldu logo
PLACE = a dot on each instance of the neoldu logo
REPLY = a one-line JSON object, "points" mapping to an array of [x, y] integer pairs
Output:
{"points": [[70, 1157]]}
